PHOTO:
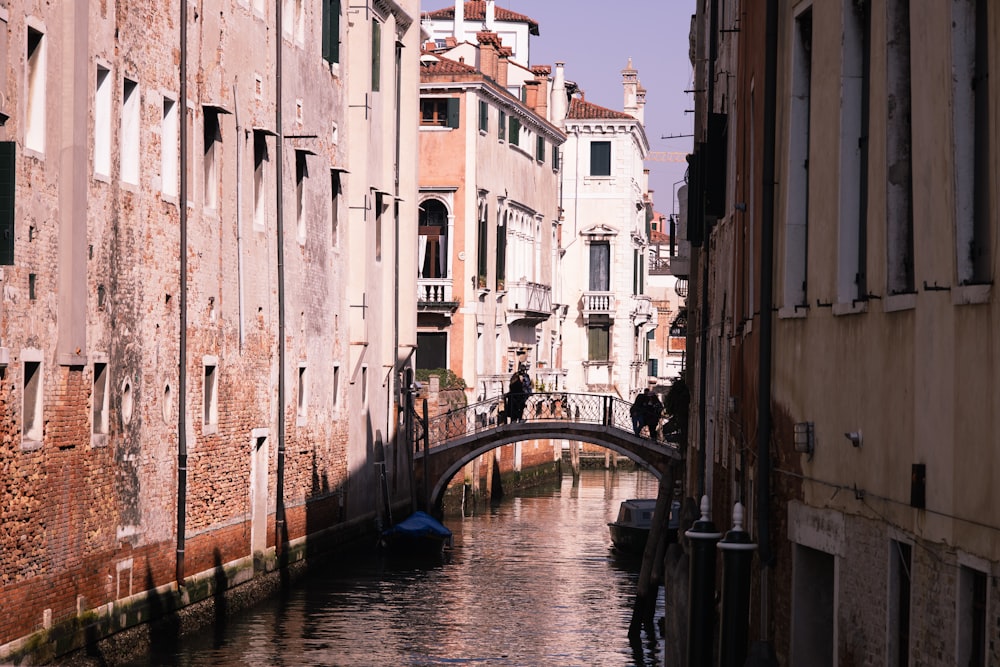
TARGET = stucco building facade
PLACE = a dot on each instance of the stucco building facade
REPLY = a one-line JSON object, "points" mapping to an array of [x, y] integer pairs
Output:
{"points": [[843, 321]]}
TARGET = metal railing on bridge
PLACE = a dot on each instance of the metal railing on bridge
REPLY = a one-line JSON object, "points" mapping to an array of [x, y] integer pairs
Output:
{"points": [[599, 409]]}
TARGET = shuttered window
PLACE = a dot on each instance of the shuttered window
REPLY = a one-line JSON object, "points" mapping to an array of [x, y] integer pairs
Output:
{"points": [[331, 31], [376, 55], [600, 158], [7, 154]]}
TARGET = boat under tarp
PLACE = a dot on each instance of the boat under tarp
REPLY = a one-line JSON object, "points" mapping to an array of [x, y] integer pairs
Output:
{"points": [[416, 535]]}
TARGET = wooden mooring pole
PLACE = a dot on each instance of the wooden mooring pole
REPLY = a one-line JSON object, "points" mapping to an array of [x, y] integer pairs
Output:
{"points": [[646, 590]]}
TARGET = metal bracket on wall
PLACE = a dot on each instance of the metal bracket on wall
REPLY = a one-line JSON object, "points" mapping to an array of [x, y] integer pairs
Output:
{"points": [[366, 106], [356, 8]]}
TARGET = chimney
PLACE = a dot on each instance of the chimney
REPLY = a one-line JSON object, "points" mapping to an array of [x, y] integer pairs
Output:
{"points": [[630, 82], [488, 58], [459, 20], [491, 15], [531, 94], [640, 103], [557, 109], [542, 73], [503, 61]]}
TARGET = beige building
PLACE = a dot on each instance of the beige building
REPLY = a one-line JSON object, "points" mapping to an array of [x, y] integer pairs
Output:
{"points": [[205, 216], [853, 388]]}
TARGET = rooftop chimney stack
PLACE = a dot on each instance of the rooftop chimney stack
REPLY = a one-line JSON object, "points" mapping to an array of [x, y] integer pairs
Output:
{"points": [[630, 82], [459, 20], [557, 109]]}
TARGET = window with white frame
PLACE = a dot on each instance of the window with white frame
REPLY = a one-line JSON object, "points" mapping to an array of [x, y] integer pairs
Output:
{"points": [[100, 398], [129, 148], [32, 400], [104, 88], [899, 184], [210, 392], [797, 220], [35, 65], [260, 159], [169, 160]]}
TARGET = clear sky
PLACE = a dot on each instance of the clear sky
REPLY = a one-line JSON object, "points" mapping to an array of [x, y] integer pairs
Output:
{"points": [[595, 38]]}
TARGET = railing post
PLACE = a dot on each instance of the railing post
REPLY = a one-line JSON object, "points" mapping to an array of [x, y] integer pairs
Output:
{"points": [[427, 440], [701, 589], [737, 556]]}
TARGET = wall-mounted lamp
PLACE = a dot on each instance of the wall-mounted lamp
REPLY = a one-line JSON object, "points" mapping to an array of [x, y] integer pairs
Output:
{"points": [[804, 438], [854, 437]]}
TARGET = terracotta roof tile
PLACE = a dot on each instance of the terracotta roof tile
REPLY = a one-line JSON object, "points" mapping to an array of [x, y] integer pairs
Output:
{"points": [[428, 65], [580, 109], [475, 10]]}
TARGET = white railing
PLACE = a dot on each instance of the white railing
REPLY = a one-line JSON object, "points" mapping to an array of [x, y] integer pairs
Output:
{"points": [[598, 303], [434, 290]]}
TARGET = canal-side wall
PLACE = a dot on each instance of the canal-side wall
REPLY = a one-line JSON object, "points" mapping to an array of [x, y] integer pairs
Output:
{"points": [[130, 628]]}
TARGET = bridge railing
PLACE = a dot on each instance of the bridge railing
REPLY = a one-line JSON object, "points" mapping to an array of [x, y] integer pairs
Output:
{"points": [[546, 406]]}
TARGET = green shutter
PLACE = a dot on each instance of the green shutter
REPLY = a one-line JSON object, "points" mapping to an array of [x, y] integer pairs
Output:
{"points": [[540, 149], [515, 131], [484, 116], [376, 55], [331, 31], [600, 158], [453, 107], [7, 154], [555, 158], [502, 127]]}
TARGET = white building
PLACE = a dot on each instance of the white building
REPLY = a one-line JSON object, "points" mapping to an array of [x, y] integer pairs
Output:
{"points": [[605, 240]]}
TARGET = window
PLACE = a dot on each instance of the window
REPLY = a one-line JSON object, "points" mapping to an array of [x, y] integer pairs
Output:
{"points": [[336, 385], [102, 122], [854, 78], [331, 31], [101, 399], [210, 388], [301, 174], [813, 585], [483, 240], [600, 267], [555, 158], [900, 569], [7, 181], [514, 134], [972, 602], [439, 111], [600, 158], [501, 283], [502, 127], [129, 158], [303, 393], [364, 386], [260, 158], [380, 208], [797, 221], [433, 239], [168, 148], [484, 116], [212, 140], [540, 149], [376, 55], [432, 350], [34, 122], [899, 185], [970, 57], [334, 207], [598, 342], [31, 408]]}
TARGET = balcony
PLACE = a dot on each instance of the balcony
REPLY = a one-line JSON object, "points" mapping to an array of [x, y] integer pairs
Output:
{"points": [[641, 310], [528, 303], [599, 306], [434, 296]]}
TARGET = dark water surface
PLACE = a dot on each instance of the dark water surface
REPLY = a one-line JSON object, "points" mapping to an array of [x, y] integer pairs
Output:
{"points": [[531, 581]]}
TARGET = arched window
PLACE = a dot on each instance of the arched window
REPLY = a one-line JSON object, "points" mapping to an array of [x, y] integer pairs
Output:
{"points": [[433, 222]]}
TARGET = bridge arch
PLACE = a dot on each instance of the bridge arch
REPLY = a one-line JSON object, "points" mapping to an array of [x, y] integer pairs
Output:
{"points": [[456, 438]]}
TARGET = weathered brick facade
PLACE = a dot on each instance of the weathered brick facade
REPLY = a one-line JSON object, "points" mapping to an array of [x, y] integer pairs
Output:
{"points": [[95, 422]]}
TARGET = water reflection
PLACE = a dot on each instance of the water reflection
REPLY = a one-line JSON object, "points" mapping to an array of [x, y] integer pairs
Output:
{"points": [[531, 581]]}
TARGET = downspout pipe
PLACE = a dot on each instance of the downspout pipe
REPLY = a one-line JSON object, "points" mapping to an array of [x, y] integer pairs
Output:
{"points": [[280, 532], [762, 653], [182, 351]]}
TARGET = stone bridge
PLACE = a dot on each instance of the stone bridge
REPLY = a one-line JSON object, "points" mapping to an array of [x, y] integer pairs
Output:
{"points": [[449, 441]]}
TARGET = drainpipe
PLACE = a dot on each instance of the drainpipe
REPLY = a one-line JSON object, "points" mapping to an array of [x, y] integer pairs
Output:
{"points": [[182, 356], [761, 651], [239, 216], [279, 512]]}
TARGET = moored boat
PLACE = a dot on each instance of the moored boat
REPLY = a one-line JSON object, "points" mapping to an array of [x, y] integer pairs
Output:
{"points": [[635, 518], [419, 534]]}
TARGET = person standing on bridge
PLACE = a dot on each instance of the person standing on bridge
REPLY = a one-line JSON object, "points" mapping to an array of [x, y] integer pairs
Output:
{"points": [[517, 396]]}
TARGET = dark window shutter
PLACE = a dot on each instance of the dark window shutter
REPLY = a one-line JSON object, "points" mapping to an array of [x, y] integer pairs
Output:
{"points": [[484, 116], [555, 158], [453, 107], [540, 149], [331, 31], [7, 154], [515, 131], [600, 158], [502, 127], [376, 55]]}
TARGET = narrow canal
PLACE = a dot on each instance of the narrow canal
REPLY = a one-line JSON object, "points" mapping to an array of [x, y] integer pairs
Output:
{"points": [[530, 581]]}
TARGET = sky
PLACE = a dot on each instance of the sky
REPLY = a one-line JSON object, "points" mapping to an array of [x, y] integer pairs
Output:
{"points": [[595, 38]]}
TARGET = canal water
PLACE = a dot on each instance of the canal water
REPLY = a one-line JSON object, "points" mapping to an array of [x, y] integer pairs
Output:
{"points": [[531, 581]]}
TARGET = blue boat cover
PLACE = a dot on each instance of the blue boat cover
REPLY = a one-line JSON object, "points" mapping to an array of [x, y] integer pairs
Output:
{"points": [[419, 524]]}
